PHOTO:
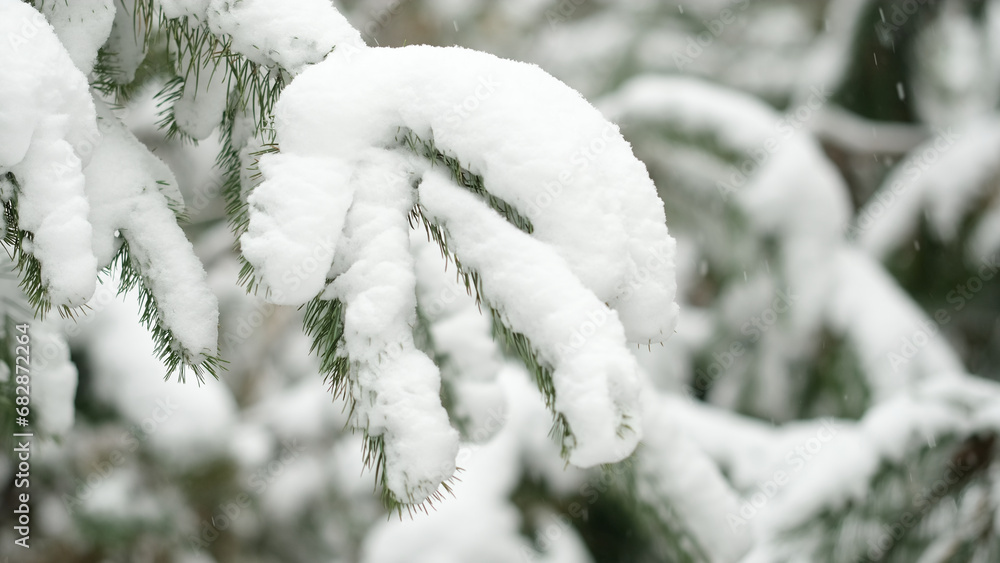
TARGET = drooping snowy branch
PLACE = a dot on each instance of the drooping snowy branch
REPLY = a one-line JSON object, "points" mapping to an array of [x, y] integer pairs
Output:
{"points": [[592, 271], [47, 123], [134, 206], [85, 185]]}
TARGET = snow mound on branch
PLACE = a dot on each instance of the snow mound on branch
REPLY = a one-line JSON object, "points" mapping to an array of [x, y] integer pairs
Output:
{"points": [[676, 479], [491, 528], [595, 272], [396, 386], [47, 128], [595, 377], [83, 26], [461, 337], [289, 243], [538, 145], [290, 34], [131, 194]]}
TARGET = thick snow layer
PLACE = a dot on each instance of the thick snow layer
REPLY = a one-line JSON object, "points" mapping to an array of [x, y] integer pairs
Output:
{"points": [[396, 387], [296, 216], [595, 377], [291, 34], [47, 128], [481, 523], [461, 336], [596, 217], [124, 183], [565, 167], [83, 26]]}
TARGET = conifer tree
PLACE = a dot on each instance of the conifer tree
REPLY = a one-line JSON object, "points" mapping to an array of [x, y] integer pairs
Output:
{"points": [[473, 260]]}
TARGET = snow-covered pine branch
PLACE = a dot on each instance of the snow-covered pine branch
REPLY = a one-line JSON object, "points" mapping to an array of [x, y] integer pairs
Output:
{"points": [[86, 193], [577, 263], [359, 135]]}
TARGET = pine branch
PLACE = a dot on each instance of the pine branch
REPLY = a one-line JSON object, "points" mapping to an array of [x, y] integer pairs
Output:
{"points": [[29, 268], [513, 342], [167, 349], [463, 177], [324, 323]]}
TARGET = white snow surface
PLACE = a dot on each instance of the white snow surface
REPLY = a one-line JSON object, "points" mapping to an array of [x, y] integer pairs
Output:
{"points": [[396, 386], [595, 377], [83, 26], [291, 34], [480, 523], [125, 44], [599, 237], [898, 345], [568, 169], [289, 243], [462, 337], [47, 127], [131, 191]]}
